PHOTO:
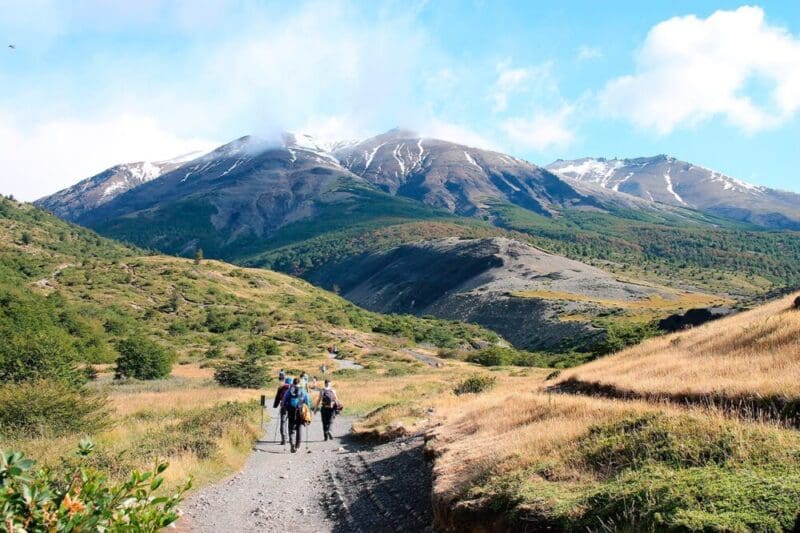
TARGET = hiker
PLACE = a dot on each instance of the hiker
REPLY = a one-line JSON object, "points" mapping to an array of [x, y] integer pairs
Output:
{"points": [[281, 376], [330, 408], [304, 381], [284, 386], [293, 401], [314, 383]]}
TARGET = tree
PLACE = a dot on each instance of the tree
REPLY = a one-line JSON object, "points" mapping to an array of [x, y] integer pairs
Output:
{"points": [[198, 256], [26, 238], [141, 358], [247, 373]]}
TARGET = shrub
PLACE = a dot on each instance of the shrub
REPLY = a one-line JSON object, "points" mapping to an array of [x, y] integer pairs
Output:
{"points": [[34, 343], [141, 358], [82, 499], [219, 321], [619, 336], [797, 303], [49, 408], [263, 347], [247, 373], [475, 384]]}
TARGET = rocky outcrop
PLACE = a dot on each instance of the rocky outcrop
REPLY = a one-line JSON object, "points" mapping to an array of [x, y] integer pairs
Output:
{"points": [[508, 286], [693, 318]]}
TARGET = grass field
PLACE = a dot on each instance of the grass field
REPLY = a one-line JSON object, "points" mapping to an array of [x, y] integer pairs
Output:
{"points": [[756, 352], [530, 453]]}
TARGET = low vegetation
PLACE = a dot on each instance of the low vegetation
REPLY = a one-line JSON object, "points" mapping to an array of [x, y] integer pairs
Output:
{"points": [[530, 455], [475, 384], [78, 310], [81, 498], [754, 353]]}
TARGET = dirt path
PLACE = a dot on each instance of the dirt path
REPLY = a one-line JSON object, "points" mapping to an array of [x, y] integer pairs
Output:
{"points": [[340, 486]]}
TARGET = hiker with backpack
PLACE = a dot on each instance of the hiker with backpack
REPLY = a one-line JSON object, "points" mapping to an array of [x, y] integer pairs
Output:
{"points": [[284, 386], [330, 408], [298, 410]]}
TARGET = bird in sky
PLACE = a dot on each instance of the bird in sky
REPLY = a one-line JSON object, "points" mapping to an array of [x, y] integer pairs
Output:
{"points": [[13, 47]]}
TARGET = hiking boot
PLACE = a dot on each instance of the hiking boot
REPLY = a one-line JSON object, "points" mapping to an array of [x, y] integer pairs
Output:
{"points": [[330, 435], [293, 448], [283, 442], [326, 436]]}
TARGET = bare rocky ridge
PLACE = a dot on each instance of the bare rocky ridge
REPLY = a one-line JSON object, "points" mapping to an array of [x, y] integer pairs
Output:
{"points": [[72, 203], [461, 179], [674, 182], [476, 281]]}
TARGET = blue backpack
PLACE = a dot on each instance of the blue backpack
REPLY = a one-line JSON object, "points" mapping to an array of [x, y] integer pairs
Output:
{"points": [[295, 398]]}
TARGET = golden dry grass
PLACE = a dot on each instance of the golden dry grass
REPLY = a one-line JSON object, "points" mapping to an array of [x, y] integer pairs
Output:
{"points": [[753, 353], [681, 300]]}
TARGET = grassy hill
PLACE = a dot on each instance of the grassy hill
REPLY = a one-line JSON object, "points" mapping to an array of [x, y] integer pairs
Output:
{"points": [[695, 431], [69, 298]]}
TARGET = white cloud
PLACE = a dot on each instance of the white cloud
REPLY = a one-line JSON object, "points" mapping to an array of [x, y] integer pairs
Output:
{"points": [[51, 155], [542, 131], [324, 60], [587, 53], [512, 81], [459, 133], [691, 69]]}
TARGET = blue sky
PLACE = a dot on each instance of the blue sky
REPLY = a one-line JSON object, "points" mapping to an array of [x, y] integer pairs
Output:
{"points": [[91, 84]]}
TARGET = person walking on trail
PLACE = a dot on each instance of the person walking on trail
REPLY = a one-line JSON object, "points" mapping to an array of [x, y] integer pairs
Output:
{"points": [[294, 400], [304, 381], [281, 375], [287, 383], [330, 408]]}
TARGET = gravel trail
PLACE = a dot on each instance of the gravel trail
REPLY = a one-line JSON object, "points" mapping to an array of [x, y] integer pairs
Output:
{"points": [[340, 486]]}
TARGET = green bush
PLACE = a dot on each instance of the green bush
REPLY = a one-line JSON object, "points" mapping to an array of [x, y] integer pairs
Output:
{"points": [[475, 384], [619, 336], [219, 321], [49, 408], [262, 347], [82, 499], [247, 373], [34, 343], [141, 358]]}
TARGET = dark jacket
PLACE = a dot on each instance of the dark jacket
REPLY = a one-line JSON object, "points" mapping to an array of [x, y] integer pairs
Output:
{"points": [[279, 395]]}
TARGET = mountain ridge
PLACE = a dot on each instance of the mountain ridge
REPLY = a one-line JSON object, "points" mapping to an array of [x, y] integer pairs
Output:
{"points": [[671, 181]]}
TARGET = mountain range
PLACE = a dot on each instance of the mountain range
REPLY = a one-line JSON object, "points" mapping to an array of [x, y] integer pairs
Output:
{"points": [[674, 182], [359, 216]]}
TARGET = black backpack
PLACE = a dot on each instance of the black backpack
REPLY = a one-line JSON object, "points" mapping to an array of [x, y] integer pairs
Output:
{"points": [[327, 398]]}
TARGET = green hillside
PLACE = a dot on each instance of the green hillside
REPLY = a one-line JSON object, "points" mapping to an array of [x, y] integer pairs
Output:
{"points": [[71, 302]]}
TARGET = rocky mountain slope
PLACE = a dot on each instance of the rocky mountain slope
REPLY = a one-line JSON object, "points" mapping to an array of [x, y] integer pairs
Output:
{"points": [[519, 291], [672, 181], [74, 202], [458, 178]]}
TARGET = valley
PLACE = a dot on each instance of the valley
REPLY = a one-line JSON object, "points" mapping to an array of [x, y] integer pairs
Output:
{"points": [[322, 211], [495, 337]]}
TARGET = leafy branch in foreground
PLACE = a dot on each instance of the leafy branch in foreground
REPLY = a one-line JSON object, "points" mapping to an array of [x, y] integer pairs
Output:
{"points": [[82, 499]]}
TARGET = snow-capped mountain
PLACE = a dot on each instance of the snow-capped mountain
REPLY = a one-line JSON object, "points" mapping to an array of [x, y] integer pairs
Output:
{"points": [[462, 179], [672, 181], [101, 188]]}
